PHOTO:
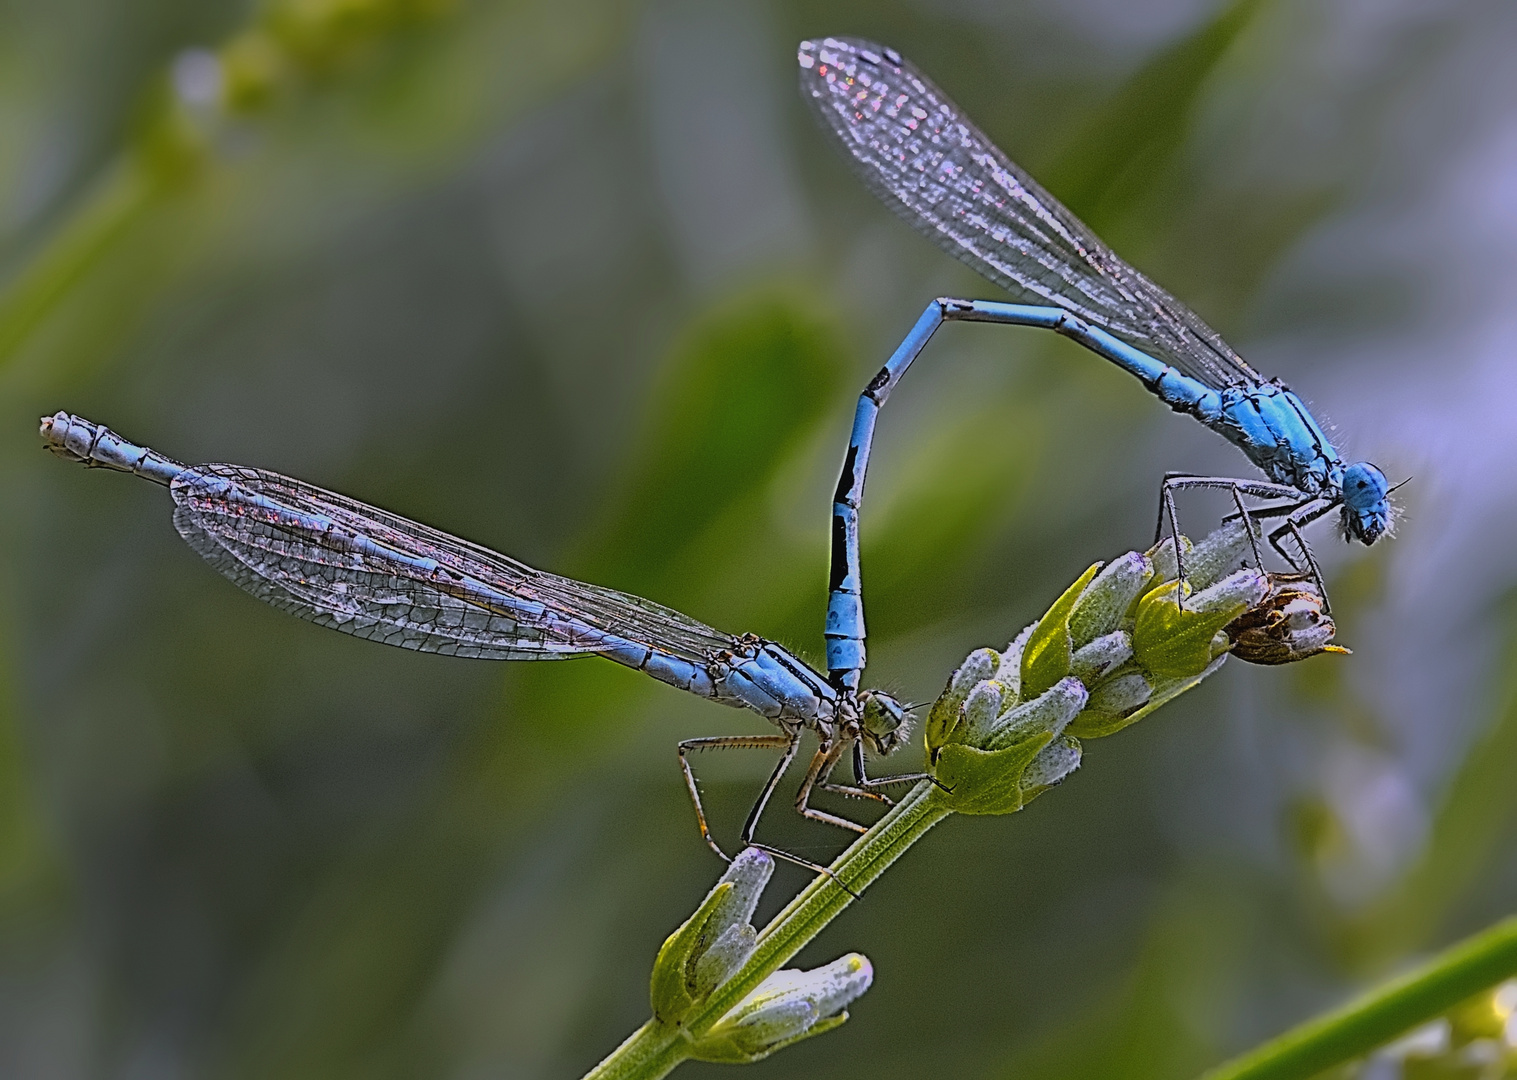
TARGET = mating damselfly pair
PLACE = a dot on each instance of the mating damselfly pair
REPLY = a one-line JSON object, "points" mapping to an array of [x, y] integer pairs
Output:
{"points": [[372, 574]]}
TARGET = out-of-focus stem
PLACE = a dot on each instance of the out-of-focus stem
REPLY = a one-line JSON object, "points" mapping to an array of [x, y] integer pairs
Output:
{"points": [[116, 201], [1385, 1012]]}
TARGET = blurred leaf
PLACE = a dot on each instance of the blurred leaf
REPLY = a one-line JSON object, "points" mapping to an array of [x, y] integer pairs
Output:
{"points": [[748, 384], [328, 993], [744, 390], [182, 181], [1128, 145], [961, 477], [1474, 819], [27, 864], [104, 216], [1168, 1017]]}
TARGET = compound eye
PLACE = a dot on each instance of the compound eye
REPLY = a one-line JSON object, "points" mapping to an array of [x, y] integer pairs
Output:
{"points": [[882, 714]]}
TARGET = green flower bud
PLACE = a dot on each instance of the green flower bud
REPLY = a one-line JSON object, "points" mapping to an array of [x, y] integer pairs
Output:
{"points": [[1103, 606], [981, 711], [977, 667], [1171, 642], [1218, 553], [1050, 649], [1009, 674], [1054, 762], [1245, 587], [785, 1008], [725, 955], [714, 942], [1048, 714], [1117, 697], [1101, 656], [1163, 556], [1114, 647], [947, 713]]}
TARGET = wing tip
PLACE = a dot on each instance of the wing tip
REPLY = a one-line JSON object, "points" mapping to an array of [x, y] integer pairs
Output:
{"points": [[820, 53]]}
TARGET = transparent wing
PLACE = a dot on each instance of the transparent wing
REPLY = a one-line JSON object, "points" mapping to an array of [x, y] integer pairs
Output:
{"points": [[925, 160], [355, 568]]}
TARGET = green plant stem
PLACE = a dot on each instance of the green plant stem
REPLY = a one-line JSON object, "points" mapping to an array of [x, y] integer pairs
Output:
{"points": [[1473, 965], [654, 1049], [106, 212]]}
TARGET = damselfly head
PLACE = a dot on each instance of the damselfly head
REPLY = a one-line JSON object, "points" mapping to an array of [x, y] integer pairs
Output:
{"points": [[1366, 512], [884, 721]]}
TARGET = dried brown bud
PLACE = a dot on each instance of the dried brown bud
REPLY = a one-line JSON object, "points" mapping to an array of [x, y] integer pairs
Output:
{"points": [[1289, 624]]}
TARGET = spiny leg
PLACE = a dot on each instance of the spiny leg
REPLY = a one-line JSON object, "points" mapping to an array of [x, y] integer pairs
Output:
{"points": [[1248, 527], [1274, 542], [788, 743], [1254, 489], [1292, 527], [1237, 488], [1274, 510], [1164, 491], [751, 825], [1168, 500], [1311, 560], [855, 792], [1303, 514], [864, 788], [822, 763]]}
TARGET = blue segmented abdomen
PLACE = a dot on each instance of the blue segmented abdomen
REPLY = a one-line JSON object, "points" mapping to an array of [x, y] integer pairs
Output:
{"points": [[97, 445], [361, 570]]}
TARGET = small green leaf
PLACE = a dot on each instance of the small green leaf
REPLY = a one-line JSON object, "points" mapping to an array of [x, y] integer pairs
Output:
{"points": [[1048, 652], [1173, 643], [941, 722], [670, 989], [986, 781]]}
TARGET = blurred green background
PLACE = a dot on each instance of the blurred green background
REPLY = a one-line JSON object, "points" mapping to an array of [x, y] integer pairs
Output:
{"points": [[582, 282]]}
